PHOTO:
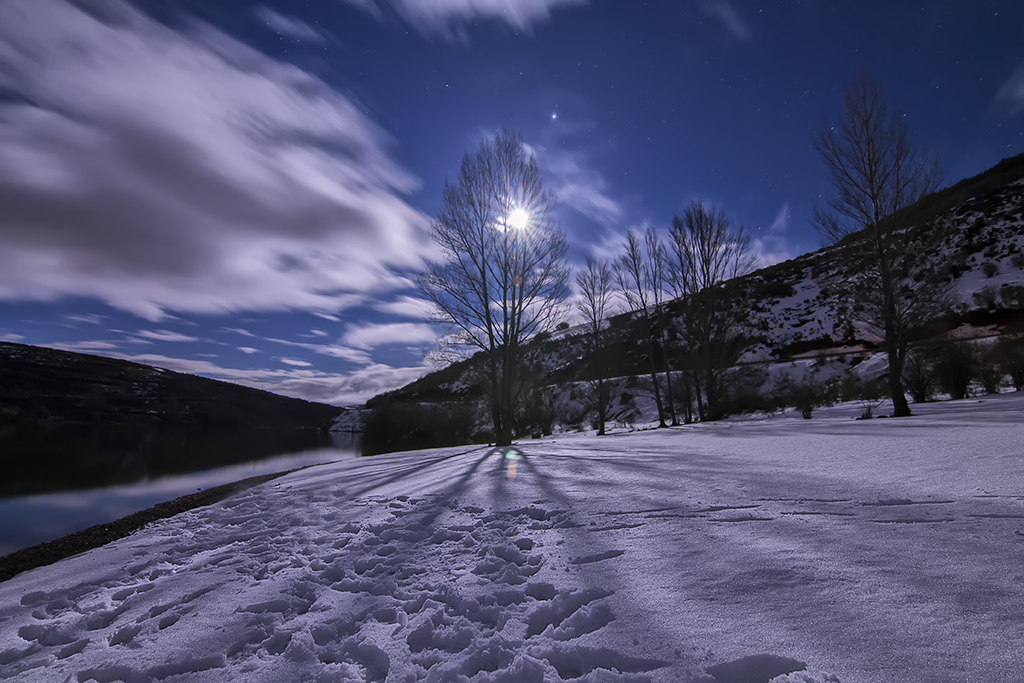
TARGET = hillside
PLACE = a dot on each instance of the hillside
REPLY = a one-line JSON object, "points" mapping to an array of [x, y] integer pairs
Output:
{"points": [[42, 385], [792, 317]]}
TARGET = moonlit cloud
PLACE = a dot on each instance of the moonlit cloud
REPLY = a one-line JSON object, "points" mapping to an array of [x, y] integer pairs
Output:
{"points": [[90, 319], [723, 11], [248, 350], [296, 363], [771, 246], [306, 383], [357, 356], [289, 27], [371, 335], [407, 307], [579, 187], [1011, 95], [165, 336], [159, 170], [449, 17]]}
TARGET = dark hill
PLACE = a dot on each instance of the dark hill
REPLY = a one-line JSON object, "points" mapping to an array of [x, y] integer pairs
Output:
{"points": [[41, 385]]}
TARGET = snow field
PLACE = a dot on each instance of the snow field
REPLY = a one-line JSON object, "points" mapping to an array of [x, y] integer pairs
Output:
{"points": [[738, 552]]}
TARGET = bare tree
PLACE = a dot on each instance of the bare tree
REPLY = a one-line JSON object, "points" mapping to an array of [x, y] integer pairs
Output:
{"points": [[595, 285], [637, 272], [707, 253], [502, 277], [877, 173]]}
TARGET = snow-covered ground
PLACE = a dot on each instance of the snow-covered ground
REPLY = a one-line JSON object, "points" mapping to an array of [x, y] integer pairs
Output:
{"points": [[882, 550]]}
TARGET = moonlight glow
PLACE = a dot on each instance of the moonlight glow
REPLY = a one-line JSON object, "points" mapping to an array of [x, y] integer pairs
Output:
{"points": [[518, 219]]}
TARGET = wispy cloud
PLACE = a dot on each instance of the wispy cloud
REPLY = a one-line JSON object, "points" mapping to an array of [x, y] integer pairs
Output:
{"points": [[165, 336], [449, 17], [296, 363], [358, 356], [580, 187], [89, 319], [407, 307], [1011, 95], [162, 170], [289, 27], [372, 335], [723, 11], [306, 383], [771, 246], [248, 349]]}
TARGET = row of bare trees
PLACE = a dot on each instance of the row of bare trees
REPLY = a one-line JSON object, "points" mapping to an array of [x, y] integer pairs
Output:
{"points": [[502, 278]]}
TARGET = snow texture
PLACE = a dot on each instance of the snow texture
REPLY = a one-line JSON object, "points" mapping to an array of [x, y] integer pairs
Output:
{"points": [[773, 549]]}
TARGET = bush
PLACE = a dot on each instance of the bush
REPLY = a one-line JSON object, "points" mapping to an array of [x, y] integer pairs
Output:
{"points": [[955, 367], [1009, 354], [988, 371], [806, 395], [919, 373], [990, 269], [985, 298]]}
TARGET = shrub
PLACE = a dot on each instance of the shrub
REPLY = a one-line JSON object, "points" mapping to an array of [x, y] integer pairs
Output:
{"points": [[985, 298], [919, 373], [990, 269], [955, 367], [988, 371], [1017, 261], [1009, 354]]}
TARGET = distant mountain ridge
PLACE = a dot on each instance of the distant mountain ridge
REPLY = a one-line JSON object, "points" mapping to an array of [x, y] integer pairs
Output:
{"points": [[43, 385]]}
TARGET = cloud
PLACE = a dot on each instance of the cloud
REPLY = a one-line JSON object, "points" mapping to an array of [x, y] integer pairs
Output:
{"points": [[90, 319], [771, 246], [579, 187], [1011, 95], [305, 383], [407, 307], [289, 27], [318, 333], [372, 335], [723, 11], [449, 17], [161, 170], [296, 363], [248, 349], [165, 336], [344, 353]]}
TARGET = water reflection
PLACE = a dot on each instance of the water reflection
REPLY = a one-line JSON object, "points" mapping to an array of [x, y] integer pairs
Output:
{"points": [[61, 481]]}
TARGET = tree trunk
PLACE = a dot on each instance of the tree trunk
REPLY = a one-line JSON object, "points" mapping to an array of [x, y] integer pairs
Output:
{"points": [[656, 387], [900, 407], [602, 406]]}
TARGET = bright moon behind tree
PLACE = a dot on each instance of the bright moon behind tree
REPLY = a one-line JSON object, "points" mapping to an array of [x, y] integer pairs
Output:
{"points": [[518, 219]]}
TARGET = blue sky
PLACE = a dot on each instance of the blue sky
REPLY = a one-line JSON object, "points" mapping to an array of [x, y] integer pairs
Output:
{"points": [[243, 189]]}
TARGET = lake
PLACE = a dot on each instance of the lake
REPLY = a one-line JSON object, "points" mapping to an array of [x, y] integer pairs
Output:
{"points": [[61, 480]]}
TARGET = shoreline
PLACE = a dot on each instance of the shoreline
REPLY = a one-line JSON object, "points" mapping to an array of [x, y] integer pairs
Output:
{"points": [[98, 535]]}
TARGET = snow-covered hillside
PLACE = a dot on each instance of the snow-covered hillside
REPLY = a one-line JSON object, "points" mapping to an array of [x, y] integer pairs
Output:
{"points": [[798, 309], [739, 551]]}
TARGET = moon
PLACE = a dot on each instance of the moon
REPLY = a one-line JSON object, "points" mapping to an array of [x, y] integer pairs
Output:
{"points": [[518, 219]]}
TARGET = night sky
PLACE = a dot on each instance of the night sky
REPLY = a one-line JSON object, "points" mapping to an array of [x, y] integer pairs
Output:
{"points": [[243, 190]]}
